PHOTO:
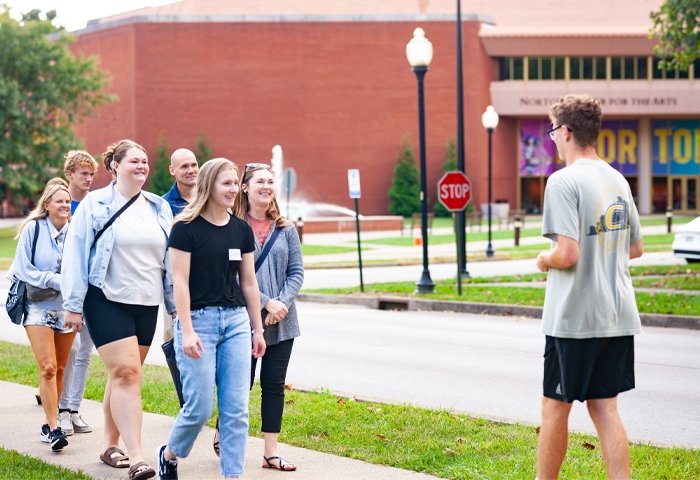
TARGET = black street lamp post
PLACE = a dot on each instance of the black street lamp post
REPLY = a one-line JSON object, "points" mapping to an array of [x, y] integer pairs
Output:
{"points": [[461, 216], [489, 120], [419, 52]]}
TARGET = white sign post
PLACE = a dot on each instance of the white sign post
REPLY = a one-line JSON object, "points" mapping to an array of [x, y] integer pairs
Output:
{"points": [[354, 183], [355, 194]]}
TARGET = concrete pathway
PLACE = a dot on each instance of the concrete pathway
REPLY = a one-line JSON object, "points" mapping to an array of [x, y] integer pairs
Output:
{"points": [[22, 419]]}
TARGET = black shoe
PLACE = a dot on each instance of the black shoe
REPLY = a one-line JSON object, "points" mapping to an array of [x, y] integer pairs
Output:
{"points": [[45, 433], [167, 469], [57, 439]]}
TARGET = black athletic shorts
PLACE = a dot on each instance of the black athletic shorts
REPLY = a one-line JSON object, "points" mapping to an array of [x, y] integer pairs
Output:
{"points": [[589, 368], [109, 321]]}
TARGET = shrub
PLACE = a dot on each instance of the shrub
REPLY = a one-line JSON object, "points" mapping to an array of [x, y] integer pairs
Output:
{"points": [[404, 193], [161, 180]]}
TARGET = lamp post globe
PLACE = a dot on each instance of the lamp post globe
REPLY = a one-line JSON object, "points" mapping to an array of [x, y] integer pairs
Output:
{"points": [[419, 52], [489, 119]]}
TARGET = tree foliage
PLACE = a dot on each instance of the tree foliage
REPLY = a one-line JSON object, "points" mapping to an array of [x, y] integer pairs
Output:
{"points": [[161, 180], [676, 25], [404, 193], [202, 150], [44, 91]]}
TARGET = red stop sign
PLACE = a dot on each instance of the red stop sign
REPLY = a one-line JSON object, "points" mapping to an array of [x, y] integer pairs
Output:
{"points": [[454, 190]]}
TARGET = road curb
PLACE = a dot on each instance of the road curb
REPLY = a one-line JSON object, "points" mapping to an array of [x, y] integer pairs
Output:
{"points": [[387, 302]]}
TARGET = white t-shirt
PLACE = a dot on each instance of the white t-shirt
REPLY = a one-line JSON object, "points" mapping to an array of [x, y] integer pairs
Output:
{"points": [[591, 202], [135, 271]]}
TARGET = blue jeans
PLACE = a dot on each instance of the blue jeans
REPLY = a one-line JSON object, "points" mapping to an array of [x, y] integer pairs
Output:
{"points": [[225, 363]]}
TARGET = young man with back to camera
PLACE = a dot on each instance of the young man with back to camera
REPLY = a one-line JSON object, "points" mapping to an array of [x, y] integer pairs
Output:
{"points": [[590, 314]]}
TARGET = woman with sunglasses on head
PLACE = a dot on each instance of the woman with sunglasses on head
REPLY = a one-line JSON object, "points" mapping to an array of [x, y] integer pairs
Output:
{"points": [[38, 264], [116, 273], [217, 301], [280, 276]]}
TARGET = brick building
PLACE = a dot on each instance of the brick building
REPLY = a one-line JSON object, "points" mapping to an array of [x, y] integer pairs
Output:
{"points": [[328, 80]]}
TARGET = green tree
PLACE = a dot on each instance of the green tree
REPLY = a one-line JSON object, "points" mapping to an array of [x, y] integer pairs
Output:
{"points": [[161, 180], [404, 193], [44, 91], [676, 25], [450, 163], [202, 150]]}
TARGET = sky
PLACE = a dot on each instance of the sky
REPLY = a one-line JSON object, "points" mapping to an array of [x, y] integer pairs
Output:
{"points": [[74, 14]]}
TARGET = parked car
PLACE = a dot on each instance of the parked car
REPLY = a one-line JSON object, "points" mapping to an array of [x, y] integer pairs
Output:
{"points": [[686, 243]]}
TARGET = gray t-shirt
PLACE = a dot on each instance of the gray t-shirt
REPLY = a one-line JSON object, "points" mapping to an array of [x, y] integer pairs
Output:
{"points": [[591, 202]]}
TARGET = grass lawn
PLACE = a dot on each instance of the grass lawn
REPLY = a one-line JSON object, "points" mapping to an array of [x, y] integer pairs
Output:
{"points": [[310, 250], [474, 291], [437, 239], [8, 245], [438, 442], [14, 465]]}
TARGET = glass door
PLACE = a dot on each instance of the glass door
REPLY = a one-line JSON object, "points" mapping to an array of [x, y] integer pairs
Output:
{"points": [[683, 194]]}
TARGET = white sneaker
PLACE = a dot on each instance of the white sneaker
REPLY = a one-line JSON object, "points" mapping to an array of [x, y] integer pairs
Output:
{"points": [[65, 423], [79, 424]]}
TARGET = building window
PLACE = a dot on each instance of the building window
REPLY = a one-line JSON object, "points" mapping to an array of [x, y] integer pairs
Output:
{"points": [[518, 70], [589, 68], [599, 68], [558, 68], [629, 68], [617, 69], [533, 68]]}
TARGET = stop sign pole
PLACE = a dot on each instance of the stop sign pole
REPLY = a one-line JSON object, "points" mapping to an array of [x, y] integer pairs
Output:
{"points": [[454, 192]]}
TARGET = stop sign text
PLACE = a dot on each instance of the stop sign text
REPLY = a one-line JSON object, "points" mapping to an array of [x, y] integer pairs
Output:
{"points": [[454, 190]]}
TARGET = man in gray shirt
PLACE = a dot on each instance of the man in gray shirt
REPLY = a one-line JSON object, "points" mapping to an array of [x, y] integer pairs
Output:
{"points": [[590, 314]]}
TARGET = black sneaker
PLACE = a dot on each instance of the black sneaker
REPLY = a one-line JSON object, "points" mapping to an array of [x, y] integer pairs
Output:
{"points": [[167, 469], [57, 439], [45, 432]]}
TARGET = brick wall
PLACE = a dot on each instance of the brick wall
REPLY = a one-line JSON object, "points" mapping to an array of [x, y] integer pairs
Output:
{"points": [[334, 96]]}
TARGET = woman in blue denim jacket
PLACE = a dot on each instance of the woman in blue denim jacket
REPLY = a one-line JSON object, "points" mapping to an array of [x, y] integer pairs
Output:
{"points": [[116, 283], [44, 322]]}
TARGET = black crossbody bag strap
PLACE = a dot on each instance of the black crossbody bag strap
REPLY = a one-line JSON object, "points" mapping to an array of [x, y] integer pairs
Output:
{"points": [[267, 248], [114, 217], [36, 237]]}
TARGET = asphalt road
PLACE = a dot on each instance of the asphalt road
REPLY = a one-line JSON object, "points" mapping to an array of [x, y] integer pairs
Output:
{"points": [[486, 366]]}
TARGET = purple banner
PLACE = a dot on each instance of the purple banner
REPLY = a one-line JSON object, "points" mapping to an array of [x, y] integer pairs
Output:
{"points": [[617, 145], [536, 151]]}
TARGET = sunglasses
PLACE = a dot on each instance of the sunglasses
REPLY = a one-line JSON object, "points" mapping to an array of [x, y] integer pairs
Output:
{"points": [[255, 166]]}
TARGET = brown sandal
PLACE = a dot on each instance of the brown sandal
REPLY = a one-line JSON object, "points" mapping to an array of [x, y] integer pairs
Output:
{"points": [[112, 460], [282, 464], [141, 471]]}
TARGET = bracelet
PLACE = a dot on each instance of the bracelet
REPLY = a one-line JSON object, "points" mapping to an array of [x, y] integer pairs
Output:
{"points": [[261, 330]]}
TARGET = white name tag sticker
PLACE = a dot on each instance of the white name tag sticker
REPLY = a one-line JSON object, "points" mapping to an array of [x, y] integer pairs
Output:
{"points": [[234, 254]]}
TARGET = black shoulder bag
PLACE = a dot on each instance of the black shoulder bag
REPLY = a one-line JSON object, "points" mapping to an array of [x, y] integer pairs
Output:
{"points": [[266, 249], [17, 293]]}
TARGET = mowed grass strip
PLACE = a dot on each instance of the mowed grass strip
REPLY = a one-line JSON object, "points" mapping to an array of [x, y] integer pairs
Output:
{"points": [[518, 294], [14, 465], [438, 442]]}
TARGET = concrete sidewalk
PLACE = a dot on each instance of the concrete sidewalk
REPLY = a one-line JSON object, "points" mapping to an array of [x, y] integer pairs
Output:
{"points": [[23, 418]]}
